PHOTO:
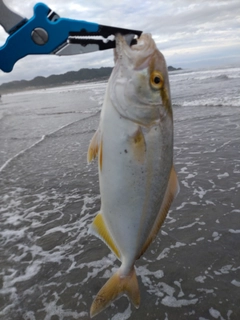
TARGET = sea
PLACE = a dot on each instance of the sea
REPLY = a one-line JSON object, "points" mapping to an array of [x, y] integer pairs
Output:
{"points": [[51, 268]]}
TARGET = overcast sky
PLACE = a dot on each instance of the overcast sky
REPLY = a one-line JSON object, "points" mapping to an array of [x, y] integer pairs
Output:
{"points": [[191, 34]]}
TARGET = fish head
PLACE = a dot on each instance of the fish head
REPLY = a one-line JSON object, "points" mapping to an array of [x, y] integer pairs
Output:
{"points": [[139, 85]]}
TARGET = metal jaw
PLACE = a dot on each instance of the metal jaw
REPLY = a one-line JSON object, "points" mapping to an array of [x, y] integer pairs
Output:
{"points": [[9, 19], [103, 39]]}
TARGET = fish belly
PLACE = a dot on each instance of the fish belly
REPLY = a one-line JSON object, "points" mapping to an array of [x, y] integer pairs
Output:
{"points": [[132, 191]]}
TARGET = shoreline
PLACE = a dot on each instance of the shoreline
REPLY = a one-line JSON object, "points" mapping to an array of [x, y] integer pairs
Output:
{"points": [[105, 74], [50, 195], [65, 84]]}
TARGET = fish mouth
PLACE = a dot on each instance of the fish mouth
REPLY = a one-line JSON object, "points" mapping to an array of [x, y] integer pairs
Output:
{"points": [[126, 42], [130, 39], [130, 50]]}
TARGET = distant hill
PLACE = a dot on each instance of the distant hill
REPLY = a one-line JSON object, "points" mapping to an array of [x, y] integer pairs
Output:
{"points": [[170, 68], [71, 77]]}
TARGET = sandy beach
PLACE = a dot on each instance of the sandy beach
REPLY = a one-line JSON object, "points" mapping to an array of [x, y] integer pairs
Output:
{"points": [[51, 269]]}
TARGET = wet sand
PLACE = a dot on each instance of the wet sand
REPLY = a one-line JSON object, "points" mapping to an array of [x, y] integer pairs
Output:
{"points": [[51, 268]]}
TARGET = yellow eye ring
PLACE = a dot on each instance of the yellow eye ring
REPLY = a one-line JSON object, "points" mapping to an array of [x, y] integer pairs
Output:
{"points": [[156, 80]]}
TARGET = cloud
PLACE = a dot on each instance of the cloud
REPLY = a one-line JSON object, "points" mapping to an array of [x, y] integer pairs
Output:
{"points": [[189, 33]]}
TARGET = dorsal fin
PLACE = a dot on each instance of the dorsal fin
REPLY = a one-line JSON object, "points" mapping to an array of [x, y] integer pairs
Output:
{"points": [[170, 194], [100, 230]]}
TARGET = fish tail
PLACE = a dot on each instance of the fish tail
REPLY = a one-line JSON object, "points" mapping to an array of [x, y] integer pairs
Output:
{"points": [[115, 287]]}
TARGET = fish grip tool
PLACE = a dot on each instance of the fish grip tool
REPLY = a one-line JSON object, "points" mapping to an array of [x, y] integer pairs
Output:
{"points": [[47, 33]]}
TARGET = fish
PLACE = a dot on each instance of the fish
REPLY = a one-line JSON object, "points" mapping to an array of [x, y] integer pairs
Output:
{"points": [[134, 146]]}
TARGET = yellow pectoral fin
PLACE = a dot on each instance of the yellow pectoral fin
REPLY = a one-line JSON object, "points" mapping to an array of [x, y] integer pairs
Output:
{"points": [[94, 146], [170, 194], [116, 286], [99, 229]]}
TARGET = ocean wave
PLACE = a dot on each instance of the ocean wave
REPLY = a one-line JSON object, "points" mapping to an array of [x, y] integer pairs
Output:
{"points": [[45, 136], [203, 75], [20, 153], [222, 77], [1, 115], [212, 103], [209, 102]]}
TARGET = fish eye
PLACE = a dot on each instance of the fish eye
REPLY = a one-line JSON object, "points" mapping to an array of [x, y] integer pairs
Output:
{"points": [[156, 80]]}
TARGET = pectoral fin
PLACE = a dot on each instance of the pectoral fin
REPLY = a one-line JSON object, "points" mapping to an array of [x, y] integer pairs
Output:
{"points": [[170, 194], [100, 230], [138, 145], [94, 146]]}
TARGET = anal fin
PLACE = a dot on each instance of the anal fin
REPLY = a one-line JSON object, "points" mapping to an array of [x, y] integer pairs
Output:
{"points": [[171, 192], [99, 229]]}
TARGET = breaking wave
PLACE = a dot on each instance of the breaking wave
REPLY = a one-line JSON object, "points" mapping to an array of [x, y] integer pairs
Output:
{"points": [[205, 75], [45, 136], [221, 77], [209, 102], [1, 115]]}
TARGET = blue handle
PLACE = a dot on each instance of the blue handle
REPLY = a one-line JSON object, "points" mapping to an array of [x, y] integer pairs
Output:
{"points": [[20, 44]]}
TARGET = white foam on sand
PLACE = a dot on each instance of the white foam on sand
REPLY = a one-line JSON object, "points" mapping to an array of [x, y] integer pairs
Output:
{"points": [[53, 308], [224, 270], [216, 236], [192, 224], [163, 293], [215, 314], [171, 301], [200, 279], [41, 206], [193, 203], [166, 251], [96, 267], [223, 175], [200, 192], [234, 231], [200, 239], [235, 283]]}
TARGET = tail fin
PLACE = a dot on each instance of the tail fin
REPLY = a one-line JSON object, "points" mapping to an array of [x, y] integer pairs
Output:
{"points": [[115, 287]]}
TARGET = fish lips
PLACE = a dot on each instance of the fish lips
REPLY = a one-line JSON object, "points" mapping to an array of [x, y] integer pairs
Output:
{"points": [[124, 45], [132, 51]]}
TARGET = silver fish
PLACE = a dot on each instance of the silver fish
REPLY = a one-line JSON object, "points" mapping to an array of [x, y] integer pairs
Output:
{"points": [[134, 144]]}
